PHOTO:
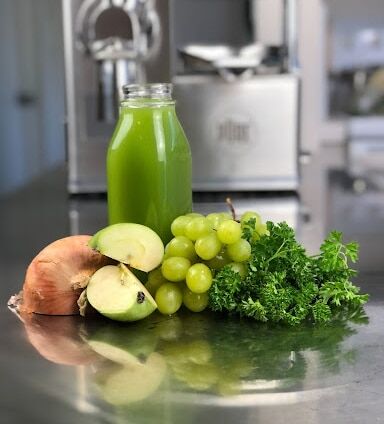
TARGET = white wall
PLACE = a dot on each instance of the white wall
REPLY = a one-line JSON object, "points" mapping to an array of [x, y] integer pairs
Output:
{"points": [[31, 52]]}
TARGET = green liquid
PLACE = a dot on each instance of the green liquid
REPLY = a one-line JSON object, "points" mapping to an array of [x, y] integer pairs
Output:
{"points": [[149, 169]]}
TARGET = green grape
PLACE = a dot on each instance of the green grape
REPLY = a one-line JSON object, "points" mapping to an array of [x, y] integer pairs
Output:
{"points": [[178, 225], [166, 254], [261, 229], [199, 351], [199, 278], [208, 247], [169, 298], [245, 223], [175, 268], [219, 260], [239, 251], [194, 215], [169, 329], [214, 219], [195, 302], [181, 246], [176, 353], [239, 267], [199, 376], [229, 232], [198, 227], [155, 280], [246, 216], [226, 216]]}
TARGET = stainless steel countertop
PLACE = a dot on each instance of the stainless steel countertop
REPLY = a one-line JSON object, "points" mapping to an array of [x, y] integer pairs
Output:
{"points": [[192, 367]]}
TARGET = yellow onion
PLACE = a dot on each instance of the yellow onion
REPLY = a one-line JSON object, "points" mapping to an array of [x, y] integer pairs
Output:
{"points": [[57, 339], [57, 275]]}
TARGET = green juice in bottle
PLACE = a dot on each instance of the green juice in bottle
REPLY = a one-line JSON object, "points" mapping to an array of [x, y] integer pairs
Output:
{"points": [[148, 161]]}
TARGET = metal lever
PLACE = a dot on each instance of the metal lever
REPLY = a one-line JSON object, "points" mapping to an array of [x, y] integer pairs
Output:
{"points": [[119, 58]]}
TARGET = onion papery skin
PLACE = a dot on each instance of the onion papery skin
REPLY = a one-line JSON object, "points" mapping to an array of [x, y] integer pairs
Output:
{"points": [[57, 275], [57, 339]]}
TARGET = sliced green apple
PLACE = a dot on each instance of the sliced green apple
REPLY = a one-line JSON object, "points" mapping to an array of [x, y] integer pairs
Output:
{"points": [[116, 293], [114, 353], [123, 344], [132, 244], [93, 241], [133, 383]]}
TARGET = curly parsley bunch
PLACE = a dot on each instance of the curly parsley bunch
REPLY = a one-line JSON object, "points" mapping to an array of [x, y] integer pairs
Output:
{"points": [[284, 284]]}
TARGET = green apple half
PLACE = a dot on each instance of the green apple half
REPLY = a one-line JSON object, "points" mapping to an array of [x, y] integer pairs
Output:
{"points": [[116, 293], [134, 382], [132, 244], [114, 353], [123, 344]]}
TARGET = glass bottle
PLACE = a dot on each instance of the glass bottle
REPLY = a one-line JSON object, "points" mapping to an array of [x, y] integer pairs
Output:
{"points": [[148, 161]]}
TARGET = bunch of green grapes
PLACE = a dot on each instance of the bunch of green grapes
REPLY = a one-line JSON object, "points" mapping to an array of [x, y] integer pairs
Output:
{"points": [[201, 246], [193, 363]]}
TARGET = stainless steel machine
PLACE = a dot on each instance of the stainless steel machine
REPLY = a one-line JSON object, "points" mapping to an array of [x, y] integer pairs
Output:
{"points": [[238, 94], [234, 67]]}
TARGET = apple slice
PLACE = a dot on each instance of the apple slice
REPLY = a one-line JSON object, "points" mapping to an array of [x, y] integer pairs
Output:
{"points": [[132, 244], [114, 353], [116, 293], [93, 241], [133, 383], [123, 344]]}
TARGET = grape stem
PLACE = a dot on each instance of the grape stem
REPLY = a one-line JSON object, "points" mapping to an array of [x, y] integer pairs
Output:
{"points": [[228, 201]]}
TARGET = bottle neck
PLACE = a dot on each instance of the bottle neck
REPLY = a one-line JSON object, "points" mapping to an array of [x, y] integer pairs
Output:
{"points": [[147, 95], [146, 103]]}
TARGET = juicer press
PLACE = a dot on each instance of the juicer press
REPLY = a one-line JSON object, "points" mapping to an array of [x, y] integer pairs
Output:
{"points": [[238, 100]]}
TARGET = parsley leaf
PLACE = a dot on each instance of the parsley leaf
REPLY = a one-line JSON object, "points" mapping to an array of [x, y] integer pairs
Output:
{"points": [[284, 284]]}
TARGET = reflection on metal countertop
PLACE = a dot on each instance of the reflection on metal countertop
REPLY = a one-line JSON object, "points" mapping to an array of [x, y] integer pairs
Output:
{"points": [[189, 368]]}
